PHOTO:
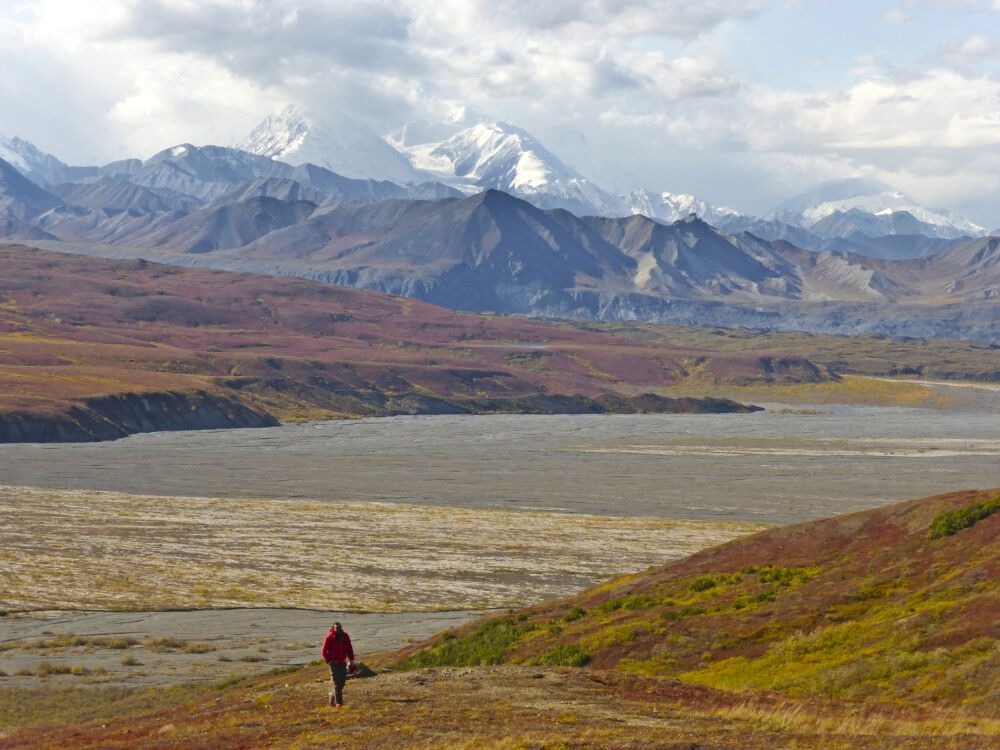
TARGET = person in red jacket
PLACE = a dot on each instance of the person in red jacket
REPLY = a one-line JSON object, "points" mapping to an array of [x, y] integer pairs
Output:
{"points": [[337, 651]]}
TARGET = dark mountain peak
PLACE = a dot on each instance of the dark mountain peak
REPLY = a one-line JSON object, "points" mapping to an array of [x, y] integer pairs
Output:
{"points": [[692, 223], [20, 197], [498, 200]]}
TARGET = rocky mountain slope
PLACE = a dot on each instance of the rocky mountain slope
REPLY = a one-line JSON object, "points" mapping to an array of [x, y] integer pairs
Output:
{"points": [[22, 199], [494, 252]]}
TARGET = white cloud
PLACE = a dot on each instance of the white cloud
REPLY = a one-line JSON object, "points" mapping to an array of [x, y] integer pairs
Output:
{"points": [[896, 17], [640, 82], [972, 52]]}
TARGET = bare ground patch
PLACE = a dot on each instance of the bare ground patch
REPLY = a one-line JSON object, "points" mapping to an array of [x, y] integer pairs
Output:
{"points": [[75, 549]]}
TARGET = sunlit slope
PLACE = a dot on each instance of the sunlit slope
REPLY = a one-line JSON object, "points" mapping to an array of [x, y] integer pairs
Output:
{"points": [[896, 604]]}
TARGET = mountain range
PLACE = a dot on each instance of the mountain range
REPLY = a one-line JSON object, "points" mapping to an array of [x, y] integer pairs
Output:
{"points": [[493, 221], [473, 153]]}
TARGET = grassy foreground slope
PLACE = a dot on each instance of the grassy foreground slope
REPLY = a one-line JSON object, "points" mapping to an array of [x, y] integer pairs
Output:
{"points": [[94, 348], [873, 630], [899, 604]]}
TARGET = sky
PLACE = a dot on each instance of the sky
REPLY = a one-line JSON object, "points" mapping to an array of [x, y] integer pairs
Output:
{"points": [[741, 102]]}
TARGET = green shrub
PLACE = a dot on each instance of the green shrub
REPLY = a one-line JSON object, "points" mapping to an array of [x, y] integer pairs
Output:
{"points": [[565, 656], [782, 577], [574, 614], [952, 521], [703, 583], [488, 645], [683, 614], [235, 679], [633, 601], [639, 601]]}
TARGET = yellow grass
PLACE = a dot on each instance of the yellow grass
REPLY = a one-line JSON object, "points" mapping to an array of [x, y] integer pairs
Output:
{"points": [[851, 389]]}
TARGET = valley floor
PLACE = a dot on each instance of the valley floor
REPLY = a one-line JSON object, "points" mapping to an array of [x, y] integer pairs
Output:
{"points": [[60, 651], [77, 549]]}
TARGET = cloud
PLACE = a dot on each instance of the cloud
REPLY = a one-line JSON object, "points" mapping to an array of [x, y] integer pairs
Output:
{"points": [[644, 86], [973, 51], [896, 17]]}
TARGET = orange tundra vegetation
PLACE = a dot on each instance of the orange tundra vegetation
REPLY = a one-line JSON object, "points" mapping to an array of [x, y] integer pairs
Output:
{"points": [[95, 348]]}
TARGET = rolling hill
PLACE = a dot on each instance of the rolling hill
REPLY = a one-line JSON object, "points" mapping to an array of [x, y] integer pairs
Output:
{"points": [[94, 349], [898, 604]]}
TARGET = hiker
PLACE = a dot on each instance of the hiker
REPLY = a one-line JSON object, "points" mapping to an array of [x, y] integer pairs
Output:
{"points": [[337, 651]]}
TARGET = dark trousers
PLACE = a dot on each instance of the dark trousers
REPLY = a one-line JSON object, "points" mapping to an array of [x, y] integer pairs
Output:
{"points": [[338, 673]]}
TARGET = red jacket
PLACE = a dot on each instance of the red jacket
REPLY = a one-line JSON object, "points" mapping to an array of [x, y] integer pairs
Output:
{"points": [[335, 649]]}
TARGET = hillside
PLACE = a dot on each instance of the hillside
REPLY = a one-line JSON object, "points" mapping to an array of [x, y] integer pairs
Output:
{"points": [[870, 354], [899, 605], [95, 349], [872, 630]]}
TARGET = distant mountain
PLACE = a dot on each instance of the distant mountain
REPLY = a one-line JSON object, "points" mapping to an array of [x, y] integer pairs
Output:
{"points": [[534, 236], [490, 251], [121, 168], [450, 118], [886, 247], [493, 251], [842, 207], [38, 166], [671, 207], [830, 192], [282, 188], [205, 172], [500, 156], [970, 271], [21, 231], [227, 226], [116, 194], [20, 198], [771, 229], [464, 149], [340, 144], [217, 173]]}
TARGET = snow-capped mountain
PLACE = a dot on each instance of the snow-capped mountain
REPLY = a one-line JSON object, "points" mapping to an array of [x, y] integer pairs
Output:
{"points": [[38, 166], [340, 144], [671, 207], [839, 207], [450, 118], [502, 156]]}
